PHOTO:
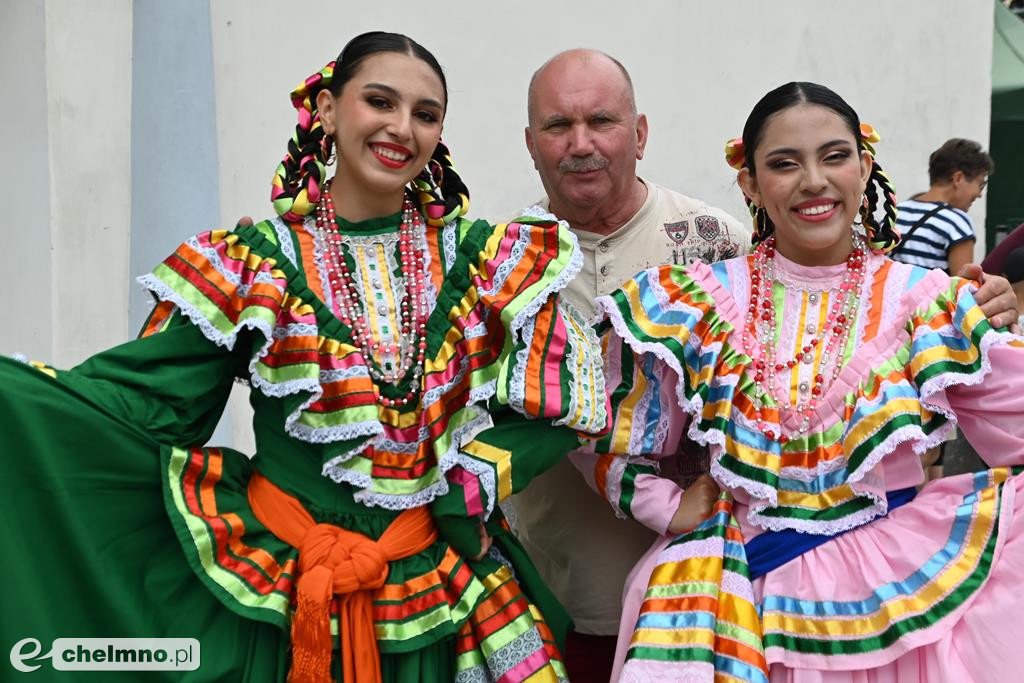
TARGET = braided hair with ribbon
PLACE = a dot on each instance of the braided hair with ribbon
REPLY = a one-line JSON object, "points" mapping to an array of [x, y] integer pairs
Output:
{"points": [[300, 177], [879, 195]]}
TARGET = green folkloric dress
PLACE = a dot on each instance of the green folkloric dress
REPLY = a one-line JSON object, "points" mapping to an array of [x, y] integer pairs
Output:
{"points": [[122, 524]]}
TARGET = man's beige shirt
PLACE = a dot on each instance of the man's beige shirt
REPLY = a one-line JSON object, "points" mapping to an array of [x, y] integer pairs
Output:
{"points": [[582, 550]]}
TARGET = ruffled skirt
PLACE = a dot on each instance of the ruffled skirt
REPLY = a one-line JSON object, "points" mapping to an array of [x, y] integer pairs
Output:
{"points": [[930, 592], [112, 535]]}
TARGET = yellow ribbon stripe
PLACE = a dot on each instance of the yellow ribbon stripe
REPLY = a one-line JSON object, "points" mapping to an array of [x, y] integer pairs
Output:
{"points": [[500, 458]]}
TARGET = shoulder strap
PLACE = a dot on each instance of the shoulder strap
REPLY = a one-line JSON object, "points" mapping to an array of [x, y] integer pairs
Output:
{"points": [[922, 220]]}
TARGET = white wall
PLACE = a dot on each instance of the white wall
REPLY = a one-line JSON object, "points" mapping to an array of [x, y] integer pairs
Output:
{"points": [[25, 320], [88, 82], [66, 81], [920, 71]]}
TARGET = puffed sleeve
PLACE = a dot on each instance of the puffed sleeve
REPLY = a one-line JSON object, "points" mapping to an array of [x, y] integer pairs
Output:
{"points": [[662, 345], [529, 354], [172, 384], [623, 465], [970, 373]]}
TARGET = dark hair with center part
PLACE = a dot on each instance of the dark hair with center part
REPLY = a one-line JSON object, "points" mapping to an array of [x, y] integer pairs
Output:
{"points": [[790, 95], [376, 42], [438, 188], [881, 234]]}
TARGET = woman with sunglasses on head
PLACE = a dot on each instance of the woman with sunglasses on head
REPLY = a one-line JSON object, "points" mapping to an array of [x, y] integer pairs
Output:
{"points": [[395, 353], [817, 370]]}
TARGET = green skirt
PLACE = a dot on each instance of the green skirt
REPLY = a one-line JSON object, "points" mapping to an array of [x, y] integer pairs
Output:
{"points": [[102, 544]]}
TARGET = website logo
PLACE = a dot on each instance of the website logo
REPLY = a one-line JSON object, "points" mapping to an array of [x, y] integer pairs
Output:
{"points": [[108, 654]]}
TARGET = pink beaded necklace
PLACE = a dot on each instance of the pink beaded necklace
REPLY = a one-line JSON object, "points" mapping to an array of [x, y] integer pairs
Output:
{"points": [[759, 336], [411, 344]]}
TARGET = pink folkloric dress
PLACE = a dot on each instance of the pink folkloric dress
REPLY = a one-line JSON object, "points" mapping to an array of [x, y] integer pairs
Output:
{"points": [[929, 590]]}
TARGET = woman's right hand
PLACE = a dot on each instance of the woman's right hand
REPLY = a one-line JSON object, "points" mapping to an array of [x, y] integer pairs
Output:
{"points": [[695, 505]]}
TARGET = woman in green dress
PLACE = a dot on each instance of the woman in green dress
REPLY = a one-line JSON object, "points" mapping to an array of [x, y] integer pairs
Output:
{"points": [[398, 355]]}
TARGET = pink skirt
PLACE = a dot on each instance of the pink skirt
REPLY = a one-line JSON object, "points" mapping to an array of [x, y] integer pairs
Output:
{"points": [[932, 592]]}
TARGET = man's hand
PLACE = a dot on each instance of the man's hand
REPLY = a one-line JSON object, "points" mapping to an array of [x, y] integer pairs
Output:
{"points": [[995, 296], [695, 505]]}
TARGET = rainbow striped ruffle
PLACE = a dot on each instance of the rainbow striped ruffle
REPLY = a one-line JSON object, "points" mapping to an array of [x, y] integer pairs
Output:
{"points": [[426, 597], [672, 356], [698, 620], [825, 481], [496, 331]]}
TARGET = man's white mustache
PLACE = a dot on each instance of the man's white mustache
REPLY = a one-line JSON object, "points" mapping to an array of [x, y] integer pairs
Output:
{"points": [[594, 162]]}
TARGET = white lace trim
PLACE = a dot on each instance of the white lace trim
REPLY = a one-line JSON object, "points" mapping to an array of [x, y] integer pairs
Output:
{"points": [[284, 238], [517, 386], [495, 554], [319, 249], [613, 485], [643, 406], [450, 244], [484, 471], [367, 496], [592, 372], [214, 259], [337, 471], [613, 480], [328, 376], [539, 212], [522, 329], [515, 257], [274, 390], [714, 439], [295, 330], [474, 331]]}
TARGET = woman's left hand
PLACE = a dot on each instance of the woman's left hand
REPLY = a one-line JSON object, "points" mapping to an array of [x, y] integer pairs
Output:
{"points": [[485, 542], [995, 296]]}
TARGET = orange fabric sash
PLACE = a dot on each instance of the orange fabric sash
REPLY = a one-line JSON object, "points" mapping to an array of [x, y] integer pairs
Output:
{"points": [[335, 561]]}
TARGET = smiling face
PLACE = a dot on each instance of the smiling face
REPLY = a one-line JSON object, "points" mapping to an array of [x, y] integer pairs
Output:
{"points": [[810, 176], [585, 136], [965, 190], [385, 123]]}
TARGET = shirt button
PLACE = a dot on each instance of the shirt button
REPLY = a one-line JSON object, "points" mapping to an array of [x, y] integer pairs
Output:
{"points": [[811, 329], [813, 297], [603, 246], [604, 269]]}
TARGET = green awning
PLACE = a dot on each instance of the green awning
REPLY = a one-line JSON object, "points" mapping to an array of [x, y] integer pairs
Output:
{"points": [[1005, 201], [1007, 66]]}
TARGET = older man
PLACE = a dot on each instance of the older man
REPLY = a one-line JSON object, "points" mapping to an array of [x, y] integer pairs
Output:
{"points": [[585, 136]]}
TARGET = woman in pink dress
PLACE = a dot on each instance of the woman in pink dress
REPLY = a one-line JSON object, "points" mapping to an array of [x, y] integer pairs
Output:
{"points": [[816, 371]]}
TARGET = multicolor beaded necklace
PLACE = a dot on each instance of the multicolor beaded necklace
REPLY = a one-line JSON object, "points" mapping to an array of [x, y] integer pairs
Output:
{"points": [[759, 337], [411, 344]]}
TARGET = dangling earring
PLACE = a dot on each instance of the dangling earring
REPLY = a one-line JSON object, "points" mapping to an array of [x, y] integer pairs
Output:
{"points": [[862, 213], [426, 183], [761, 225], [327, 149]]}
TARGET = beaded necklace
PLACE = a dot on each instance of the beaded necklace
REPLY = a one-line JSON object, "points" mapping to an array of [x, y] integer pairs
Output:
{"points": [[411, 344], [759, 336]]}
